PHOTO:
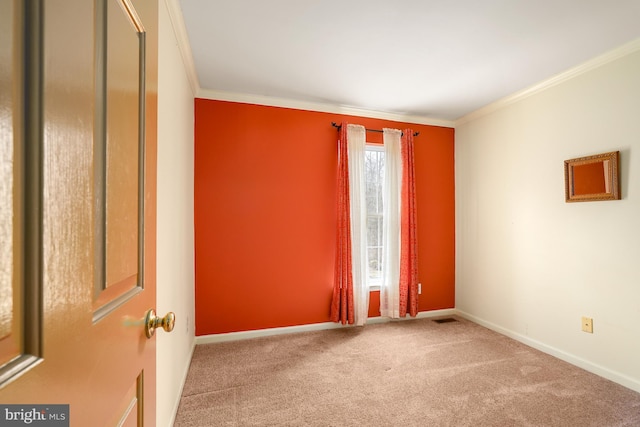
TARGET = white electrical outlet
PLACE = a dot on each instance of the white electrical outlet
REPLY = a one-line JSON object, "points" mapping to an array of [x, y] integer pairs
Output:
{"points": [[419, 288]]}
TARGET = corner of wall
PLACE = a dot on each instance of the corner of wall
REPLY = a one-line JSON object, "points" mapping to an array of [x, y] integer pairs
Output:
{"points": [[182, 38]]}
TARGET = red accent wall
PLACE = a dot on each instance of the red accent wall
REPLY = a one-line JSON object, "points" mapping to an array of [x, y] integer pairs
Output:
{"points": [[265, 186]]}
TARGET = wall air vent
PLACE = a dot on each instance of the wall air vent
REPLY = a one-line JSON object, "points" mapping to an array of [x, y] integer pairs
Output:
{"points": [[445, 320]]}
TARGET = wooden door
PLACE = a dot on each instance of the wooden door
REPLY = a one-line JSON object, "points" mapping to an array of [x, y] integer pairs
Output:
{"points": [[78, 197]]}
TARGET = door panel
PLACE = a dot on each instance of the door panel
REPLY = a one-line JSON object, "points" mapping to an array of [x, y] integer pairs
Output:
{"points": [[120, 43], [128, 412], [123, 102], [20, 339], [91, 363], [9, 347]]}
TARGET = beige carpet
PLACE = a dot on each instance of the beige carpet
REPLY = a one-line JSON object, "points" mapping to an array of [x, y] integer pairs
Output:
{"points": [[408, 373]]}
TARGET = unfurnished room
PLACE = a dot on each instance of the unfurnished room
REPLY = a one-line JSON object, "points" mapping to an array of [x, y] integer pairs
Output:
{"points": [[320, 213]]}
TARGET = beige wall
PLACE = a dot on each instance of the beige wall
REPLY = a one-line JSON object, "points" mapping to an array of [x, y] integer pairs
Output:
{"points": [[175, 220], [530, 265]]}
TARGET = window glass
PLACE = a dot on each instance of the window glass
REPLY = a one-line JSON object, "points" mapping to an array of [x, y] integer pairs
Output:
{"points": [[374, 175]]}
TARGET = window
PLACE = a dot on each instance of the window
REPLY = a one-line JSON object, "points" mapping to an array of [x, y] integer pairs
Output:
{"points": [[374, 176]]}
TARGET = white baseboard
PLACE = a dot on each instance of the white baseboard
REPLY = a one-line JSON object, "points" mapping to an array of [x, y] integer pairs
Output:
{"points": [[185, 372], [245, 335], [601, 371]]}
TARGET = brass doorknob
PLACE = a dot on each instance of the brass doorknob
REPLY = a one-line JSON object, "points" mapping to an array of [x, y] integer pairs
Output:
{"points": [[151, 322]]}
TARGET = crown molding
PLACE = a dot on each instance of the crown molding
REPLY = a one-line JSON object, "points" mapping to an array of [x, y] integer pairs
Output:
{"points": [[599, 61], [180, 31], [319, 107]]}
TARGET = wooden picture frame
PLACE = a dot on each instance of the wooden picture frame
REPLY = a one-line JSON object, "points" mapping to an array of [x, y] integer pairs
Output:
{"points": [[592, 178]]}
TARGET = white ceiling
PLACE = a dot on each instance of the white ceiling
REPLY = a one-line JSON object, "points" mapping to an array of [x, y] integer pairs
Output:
{"points": [[440, 59]]}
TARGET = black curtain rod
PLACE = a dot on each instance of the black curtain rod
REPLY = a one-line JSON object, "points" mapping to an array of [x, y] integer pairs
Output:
{"points": [[337, 126]]}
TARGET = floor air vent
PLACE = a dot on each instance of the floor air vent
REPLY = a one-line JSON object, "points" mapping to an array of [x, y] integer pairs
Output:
{"points": [[445, 320]]}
